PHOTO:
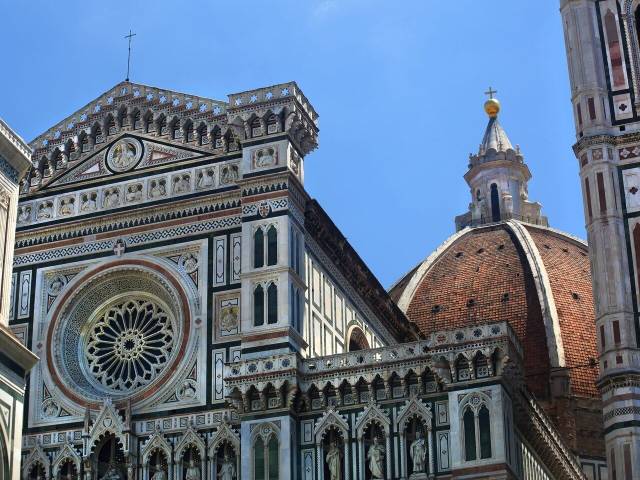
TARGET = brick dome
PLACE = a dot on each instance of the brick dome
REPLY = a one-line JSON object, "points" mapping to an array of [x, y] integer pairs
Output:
{"points": [[536, 278]]}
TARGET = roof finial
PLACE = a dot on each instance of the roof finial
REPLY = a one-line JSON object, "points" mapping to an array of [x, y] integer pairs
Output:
{"points": [[130, 36], [491, 106]]}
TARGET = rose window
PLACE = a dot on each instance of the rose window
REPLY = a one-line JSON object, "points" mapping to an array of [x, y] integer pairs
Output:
{"points": [[130, 344]]}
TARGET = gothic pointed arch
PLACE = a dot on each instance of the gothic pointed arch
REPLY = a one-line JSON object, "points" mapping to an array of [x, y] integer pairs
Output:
{"points": [[66, 453], [330, 419], [36, 457], [190, 438], [108, 422], [414, 407], [372, 414], [156, 442], [224, 433]]}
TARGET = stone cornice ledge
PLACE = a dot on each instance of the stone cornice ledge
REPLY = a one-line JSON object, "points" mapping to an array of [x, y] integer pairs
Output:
{"points": [[12, 348], [14, 149]]}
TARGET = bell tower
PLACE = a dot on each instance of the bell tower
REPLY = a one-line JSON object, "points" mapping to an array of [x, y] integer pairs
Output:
{"points": [[498, 178], [601, 38]]}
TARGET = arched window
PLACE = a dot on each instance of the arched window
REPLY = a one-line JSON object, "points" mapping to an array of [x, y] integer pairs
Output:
{"points": [[266, 456], [84, 142], [357, 340], [462, 369], [272, 447], [161, 125], [258, 249], [481, 366], [615, 50], [176, 131], [272, 246], [476, 426], [148, 122], [259, 460], [272, 304], [202, 136], [258, 306], [469, 435], [272, 124], [495, 203], [484, 423], [256, 128], [136, 119], [110, 126], [188, 131], [216, 137]]}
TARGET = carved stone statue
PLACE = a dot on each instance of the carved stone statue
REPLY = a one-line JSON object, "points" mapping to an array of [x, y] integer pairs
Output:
{"points": [[193, 472], [159, 475], [205, 179], [228, 469], [418, 452], [112, 474], [157, 189], [375, 456], [333, 462], [45, 210]]}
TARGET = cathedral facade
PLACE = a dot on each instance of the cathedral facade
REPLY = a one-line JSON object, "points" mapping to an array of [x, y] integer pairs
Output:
{"points": [[197, 315]]}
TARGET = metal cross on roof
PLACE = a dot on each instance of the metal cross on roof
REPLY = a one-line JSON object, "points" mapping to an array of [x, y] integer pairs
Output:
{"points": [[130, 36], [491, 92]]}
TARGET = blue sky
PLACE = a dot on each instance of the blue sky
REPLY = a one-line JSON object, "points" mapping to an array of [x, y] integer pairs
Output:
{"points": [[398, 86]]}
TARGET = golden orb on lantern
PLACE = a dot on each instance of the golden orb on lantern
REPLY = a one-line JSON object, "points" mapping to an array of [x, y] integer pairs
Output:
{"points": [[492, 107]]}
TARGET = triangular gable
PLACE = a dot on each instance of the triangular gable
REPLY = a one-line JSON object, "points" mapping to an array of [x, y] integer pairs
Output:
{"points": [[67, 452], [151, 154], [143, 96], [328, 420], [108, 421], [189, 438], [156, 442], [414, 408], [372, 414]]}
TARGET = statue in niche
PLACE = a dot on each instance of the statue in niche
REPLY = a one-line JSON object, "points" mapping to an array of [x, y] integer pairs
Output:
{"points": [[375, 456], [134, 193], [24, 214], [181, 184], [157, 189], [45, 210], [159, 475], [193, 472], [205, 178], [229, 174], [88, 202], [112, 474], [66, 206], [228, 469], [418, 452], [333, 462], [111, 198], [265, 157]]}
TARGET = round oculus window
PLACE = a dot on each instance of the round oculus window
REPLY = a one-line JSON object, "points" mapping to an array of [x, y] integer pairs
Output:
{"points": [[129, 344]]}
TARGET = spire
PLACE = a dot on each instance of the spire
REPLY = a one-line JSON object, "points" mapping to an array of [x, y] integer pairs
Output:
{"points": [[498, 178], [495, 138]]}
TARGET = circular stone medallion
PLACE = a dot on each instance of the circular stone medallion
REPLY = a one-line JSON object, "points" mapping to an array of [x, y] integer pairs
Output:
{"points": [[124, 154]]}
